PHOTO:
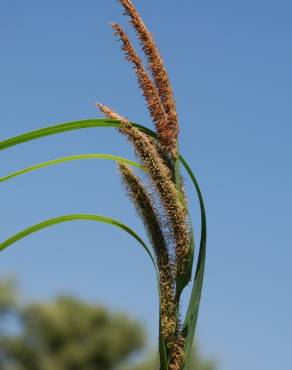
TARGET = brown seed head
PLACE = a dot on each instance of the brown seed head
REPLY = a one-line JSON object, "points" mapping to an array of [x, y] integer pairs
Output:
{"points": [[158, 70], [154, 104], [151, 219], [161, 178]]}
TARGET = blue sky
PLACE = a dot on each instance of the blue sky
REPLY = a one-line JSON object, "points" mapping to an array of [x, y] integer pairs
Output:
{"points": [[230, 65]]}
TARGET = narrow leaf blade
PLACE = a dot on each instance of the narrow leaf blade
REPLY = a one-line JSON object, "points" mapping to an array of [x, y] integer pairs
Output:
{"points": [[98, 218], [64, 127], [89, 217], [190, 322], [68, 159]]}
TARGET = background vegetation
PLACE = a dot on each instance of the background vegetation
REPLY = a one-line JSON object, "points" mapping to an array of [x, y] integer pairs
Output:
{"points": [[69, 334]]}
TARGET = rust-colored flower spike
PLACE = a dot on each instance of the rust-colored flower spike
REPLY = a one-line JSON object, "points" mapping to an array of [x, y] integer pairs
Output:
{"points": [[159, 73], [151, 219], [161, 178], [154, 104]]}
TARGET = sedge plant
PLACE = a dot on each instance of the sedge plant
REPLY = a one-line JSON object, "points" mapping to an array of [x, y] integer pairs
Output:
{"points": [[160, 200]]}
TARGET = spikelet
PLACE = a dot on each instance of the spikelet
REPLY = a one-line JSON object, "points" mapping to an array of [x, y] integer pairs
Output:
{"points": [[166, 156], [159, 73], [161, 178], [150, 94], [142, 200], [150, 216], [178, 354], [109, 113]]}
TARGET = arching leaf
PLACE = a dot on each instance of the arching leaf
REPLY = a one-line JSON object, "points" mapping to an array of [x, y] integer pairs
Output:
{"points": [[98, 218], [194, 304], [64, 127], [193, 309], [67, 159], [89, 217]]}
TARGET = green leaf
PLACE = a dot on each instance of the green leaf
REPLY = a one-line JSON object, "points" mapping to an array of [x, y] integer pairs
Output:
{"points": [[64, 127], [190, 322], [89, 217], [70, 158], [182, 280], [193, 309], [98, 218]]}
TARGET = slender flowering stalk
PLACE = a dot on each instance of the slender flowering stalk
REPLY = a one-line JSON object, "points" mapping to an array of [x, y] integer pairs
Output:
{"points": [[161, 178], [160, 159], [161, 203], [150, 93], [161, 162], [159, 73], [151, 218]]}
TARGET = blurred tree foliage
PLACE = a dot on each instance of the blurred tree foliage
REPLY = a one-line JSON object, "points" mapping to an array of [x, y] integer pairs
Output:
{"points": [[68, 334]]}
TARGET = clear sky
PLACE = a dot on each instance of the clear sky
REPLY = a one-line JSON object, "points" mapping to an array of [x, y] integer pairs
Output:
{"points": [[230, 65]]}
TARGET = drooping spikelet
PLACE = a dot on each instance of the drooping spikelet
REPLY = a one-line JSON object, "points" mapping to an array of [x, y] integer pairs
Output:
{"points": [[142, 200], [150, 216], [150, 94], [161, 178], [159, 73]]}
